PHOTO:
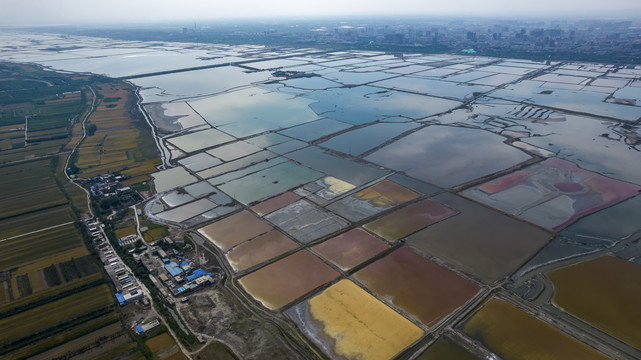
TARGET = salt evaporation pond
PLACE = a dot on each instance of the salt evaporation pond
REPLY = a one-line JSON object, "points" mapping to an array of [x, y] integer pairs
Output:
{"points": [[172, 178], [260, 249], [199, 162], [305, 221], [238, 164], [234, 150], [269, 182], [361, 140], [440, 88], [170, 117], [184, 212], [604, 292], [513, 334], [184, 85], [479, 241], [316, 129], [372, 200], [234, 229], [349, 171], [448, 156], [346, 322], [444, 348], [350, 248], [285, 280], [275, 203], [365, 104], [200, 140], [409, 219], [553, 193], [252, 111], [597, 231], [417, 285], [587, 102]]}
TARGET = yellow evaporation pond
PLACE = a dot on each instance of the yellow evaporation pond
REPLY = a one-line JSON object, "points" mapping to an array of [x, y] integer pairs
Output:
{"points": [[362, 326], [333, 187], [386, 193]]}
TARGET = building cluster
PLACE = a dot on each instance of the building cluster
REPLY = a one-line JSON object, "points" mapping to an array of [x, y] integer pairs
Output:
{"points": [[597, 37], [108, 185], [127, 288], [174, 273]]}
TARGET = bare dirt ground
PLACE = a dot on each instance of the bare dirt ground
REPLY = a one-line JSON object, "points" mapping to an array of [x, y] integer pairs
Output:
{"points": [[215, 312]]}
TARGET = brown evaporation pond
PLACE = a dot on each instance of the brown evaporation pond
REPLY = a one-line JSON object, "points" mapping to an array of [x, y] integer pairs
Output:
{"points": [[513, 334], [409, 219], [421, 287], [274, 203], [372, 200], [234, 229], [351, 248], [259, 249], [287, 279], [604, 292], [386, 193], [478, 240], [445, 348]]}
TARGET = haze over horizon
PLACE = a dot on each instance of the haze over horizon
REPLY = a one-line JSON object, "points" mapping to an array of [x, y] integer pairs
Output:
{"points": [[62, 12]]}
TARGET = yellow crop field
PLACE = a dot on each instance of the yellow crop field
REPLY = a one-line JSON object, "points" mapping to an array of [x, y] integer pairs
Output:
{"points": [[63, 337], [94, 140], [74, 253], [129, 230], [120, 141], [76, 136], [155, 234], [51, 291], [52, 245], [113, 157], [83, 341], [159, 342], [34, 280], [33, 320], [142, 168], [37, 220]]}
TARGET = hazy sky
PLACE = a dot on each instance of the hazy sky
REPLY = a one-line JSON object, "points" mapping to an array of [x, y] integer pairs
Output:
{"points": [[41, 12]]}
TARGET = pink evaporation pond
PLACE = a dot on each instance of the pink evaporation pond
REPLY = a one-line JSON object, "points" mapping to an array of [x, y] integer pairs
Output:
{"points": [[275, 203], [419, 286], [409, 219], [553, 193], [569, 187], [284, 281], [259, 249], [351, 248]]}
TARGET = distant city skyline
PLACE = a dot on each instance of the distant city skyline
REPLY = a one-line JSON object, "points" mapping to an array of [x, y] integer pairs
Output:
{"points": [[37, 12]]}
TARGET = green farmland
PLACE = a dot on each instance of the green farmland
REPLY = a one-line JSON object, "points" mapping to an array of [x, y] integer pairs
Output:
{"points": [[54, 300]]}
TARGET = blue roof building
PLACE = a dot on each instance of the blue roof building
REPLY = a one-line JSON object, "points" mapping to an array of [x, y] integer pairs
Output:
{"points": [[120, 298], [173, 269], [196, 274]]}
